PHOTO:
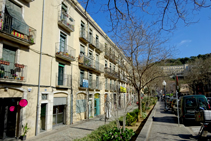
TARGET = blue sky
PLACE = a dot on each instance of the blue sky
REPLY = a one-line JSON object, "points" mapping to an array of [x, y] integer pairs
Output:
{"points": [[189, 40]]}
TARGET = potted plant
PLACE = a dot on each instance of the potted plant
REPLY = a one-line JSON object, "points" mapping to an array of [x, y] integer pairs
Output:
{"points": [[14, 75], [22, 77], [25, 130], [1, 74]]}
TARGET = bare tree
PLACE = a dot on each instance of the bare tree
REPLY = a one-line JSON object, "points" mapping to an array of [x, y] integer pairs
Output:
{"points": [[164, 13], [143, 51], [199, 73]]}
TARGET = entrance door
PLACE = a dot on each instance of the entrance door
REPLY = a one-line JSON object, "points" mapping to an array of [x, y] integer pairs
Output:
{"points": [[43, 117], [58, 114], [96, 105], [8, 114]]}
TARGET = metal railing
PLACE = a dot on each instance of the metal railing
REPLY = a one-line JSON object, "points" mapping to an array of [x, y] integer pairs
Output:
{"points": [[86, 61], [90, 63], [12, 71], [107, 52], [66, 20], [84, 34], [63, 80], [107, 86], [111, 72], [25, 33], [64, 51], [99, 46]]}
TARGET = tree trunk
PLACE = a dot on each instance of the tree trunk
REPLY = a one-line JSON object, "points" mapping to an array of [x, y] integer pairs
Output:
{"points": [[139, 104], [124, 122]]}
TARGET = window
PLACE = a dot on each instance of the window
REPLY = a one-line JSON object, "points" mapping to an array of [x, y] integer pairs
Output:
{"points": [[61, 74], [110, 66], [191, 102], [64, 8], [90, 35], [81, 77], [82, 29], [44, 96], [97, 40], [114, 67], [97, 82], [82, 50], [106, 64], [90, 79], [97, 61], [9, 54], [62, 42]]}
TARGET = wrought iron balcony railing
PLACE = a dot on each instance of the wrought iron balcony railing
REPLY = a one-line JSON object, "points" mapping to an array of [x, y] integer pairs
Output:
{"points": [[15, 30], [63, 80], [83, 35], [89, 63], [12, 71], [65, 52], [107, 86], [66, 21], [111, 72]]}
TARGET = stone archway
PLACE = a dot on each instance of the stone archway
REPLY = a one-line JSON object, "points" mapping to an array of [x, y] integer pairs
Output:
{"points": [[81, 106]]}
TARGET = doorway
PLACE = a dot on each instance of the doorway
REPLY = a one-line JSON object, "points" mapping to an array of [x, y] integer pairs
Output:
{"points": [[9, 110], [97, 104], [43, 117], [58, 115]]}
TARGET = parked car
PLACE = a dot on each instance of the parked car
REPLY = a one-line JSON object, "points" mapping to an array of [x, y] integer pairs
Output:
{"points": [[189, 104]]}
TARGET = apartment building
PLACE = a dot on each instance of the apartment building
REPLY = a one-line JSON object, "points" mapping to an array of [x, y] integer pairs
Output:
{"points": [[80, 67]]}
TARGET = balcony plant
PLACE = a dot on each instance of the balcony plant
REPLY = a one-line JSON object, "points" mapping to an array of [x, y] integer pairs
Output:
{"points": [[25, 130], [1, 74], [19, 65], [4, 62], [14, 75]]}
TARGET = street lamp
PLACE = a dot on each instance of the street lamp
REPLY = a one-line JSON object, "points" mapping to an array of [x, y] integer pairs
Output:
{"points": [[164, 85]]}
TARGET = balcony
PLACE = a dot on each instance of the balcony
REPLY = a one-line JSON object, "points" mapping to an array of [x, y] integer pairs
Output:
{"points": [[83, 36], [63, 81], [12, 72], [113, 58], [99, 46], [111, 73], [65, 52], [66, 21], [107, 86], [16, 31], [107, 53], [90, 64]]}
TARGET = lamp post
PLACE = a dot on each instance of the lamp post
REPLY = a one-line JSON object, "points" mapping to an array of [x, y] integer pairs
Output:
{"points": [[164, 85]]}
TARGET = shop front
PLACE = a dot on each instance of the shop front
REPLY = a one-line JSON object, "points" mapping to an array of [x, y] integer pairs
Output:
{"points": [[9, 117]]}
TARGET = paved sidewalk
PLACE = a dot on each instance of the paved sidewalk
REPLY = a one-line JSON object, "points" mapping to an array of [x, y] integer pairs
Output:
{"points": [[164, 127], [77, 130]]}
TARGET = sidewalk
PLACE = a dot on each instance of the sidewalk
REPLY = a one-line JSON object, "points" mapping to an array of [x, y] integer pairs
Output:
{"points": [[77, 130], [162, 126]]}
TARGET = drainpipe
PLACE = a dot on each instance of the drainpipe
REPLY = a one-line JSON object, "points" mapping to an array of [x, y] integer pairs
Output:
{"points": [[38, 93], [71, 108]]}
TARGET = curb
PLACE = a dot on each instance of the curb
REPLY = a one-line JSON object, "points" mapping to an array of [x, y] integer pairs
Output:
{"points": [[144, 134]]}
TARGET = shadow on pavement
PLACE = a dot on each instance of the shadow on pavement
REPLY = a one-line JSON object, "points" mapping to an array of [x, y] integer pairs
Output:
{"points": [[83, 128], [182, 136], [165, 119]]}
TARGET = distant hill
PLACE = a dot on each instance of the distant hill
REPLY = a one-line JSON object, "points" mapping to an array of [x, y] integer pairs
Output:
{"points": [[186, 60]]}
